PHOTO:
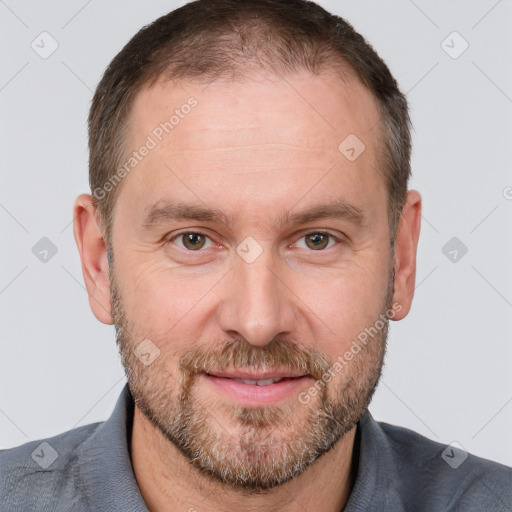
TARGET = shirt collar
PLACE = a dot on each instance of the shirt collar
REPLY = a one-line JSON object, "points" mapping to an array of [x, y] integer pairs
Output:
{"points": [[105, 460], [378, 479]]}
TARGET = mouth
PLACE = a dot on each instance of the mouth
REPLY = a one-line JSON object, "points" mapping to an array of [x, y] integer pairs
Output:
{"points": [[258, 379], [257, 388]]}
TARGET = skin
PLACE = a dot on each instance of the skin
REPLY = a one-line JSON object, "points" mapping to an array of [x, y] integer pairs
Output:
{"points": [[253, 150]]}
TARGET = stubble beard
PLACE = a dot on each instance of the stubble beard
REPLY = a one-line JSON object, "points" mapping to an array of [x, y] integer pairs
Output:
{"points": [[250, 449]]}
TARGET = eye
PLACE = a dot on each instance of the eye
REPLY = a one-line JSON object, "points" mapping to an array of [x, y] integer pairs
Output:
{"points": [[318, 240], [191, 240], [195, 241]]}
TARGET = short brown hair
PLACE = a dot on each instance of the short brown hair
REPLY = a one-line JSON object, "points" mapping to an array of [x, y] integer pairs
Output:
{"points": [[205, 40]]}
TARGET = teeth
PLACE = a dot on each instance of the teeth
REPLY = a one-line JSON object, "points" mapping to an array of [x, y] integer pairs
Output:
{"points": [[266, 382], [261, 382], [247, 381]]}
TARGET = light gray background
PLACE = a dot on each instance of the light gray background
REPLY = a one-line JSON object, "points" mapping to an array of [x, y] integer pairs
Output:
{"points": [[448, 370]]}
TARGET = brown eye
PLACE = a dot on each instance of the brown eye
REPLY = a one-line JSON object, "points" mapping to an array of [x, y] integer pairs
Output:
{"points": [[317, 241], [193, 241]]}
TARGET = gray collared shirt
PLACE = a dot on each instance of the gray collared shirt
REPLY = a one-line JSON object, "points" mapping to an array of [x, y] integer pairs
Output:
{"points": [[89, 469]]}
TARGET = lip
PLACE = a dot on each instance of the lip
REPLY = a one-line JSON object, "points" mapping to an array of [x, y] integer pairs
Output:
{"points": [[252, 395], [275, 374]]}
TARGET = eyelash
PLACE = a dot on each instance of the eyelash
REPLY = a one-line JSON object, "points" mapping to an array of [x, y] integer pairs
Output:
{"points": [[174, 237]]}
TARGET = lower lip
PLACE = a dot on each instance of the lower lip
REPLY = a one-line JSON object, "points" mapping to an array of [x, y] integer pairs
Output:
{"points": [[254, 395]]}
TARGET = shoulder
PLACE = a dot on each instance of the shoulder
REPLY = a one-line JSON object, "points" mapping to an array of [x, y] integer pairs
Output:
{"points": [[446, 476], [34, 474]]}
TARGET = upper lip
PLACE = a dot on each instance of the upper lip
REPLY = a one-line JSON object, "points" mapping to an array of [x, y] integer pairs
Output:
{"points": [[244, 374]]}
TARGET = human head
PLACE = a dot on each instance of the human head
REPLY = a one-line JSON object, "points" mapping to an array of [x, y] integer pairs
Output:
{"points": [[264, 161], [205, 40]]}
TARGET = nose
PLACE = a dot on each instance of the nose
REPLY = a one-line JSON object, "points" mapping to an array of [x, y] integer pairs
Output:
{"points": [[257, 304]]}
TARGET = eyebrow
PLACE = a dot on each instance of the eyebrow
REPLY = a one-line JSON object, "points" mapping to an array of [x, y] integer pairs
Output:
{"points": [[166, 211]]}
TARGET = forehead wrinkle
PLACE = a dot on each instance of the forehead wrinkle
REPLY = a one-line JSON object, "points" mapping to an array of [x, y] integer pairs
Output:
{"points": [[310, 149]]}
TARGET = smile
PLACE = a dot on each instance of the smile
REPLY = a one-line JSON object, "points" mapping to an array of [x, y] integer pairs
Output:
{"points": [[257, 389]]}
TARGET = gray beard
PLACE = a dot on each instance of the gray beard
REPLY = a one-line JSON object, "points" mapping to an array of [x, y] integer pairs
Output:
{"points": [[272, 445]]}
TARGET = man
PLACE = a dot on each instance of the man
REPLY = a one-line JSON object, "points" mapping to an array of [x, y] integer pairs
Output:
{"points": [[250, 234]]}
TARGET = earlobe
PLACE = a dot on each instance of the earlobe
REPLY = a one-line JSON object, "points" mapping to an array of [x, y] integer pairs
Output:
{"points": [[405, 253], [93, 254]]}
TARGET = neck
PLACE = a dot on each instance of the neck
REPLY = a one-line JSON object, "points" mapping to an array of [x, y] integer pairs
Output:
{"points": [[168, 482]]}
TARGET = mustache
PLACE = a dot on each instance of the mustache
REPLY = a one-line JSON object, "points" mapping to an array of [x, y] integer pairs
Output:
{"points": [[238, 354]]}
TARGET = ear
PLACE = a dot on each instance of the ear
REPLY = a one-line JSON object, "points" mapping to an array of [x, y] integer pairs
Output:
{"points": [[93, 254], [408, 232]]}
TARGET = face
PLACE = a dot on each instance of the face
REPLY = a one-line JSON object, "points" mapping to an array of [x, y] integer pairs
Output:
{"points": [[250, 254]]}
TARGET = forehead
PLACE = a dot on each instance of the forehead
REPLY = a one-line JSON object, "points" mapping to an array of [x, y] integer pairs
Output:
{"points": [[257, 108], [259, 135]]}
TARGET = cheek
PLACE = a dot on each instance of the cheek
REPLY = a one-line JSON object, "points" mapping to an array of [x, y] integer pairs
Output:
{"points": [[164, 303], [344, 304]]}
